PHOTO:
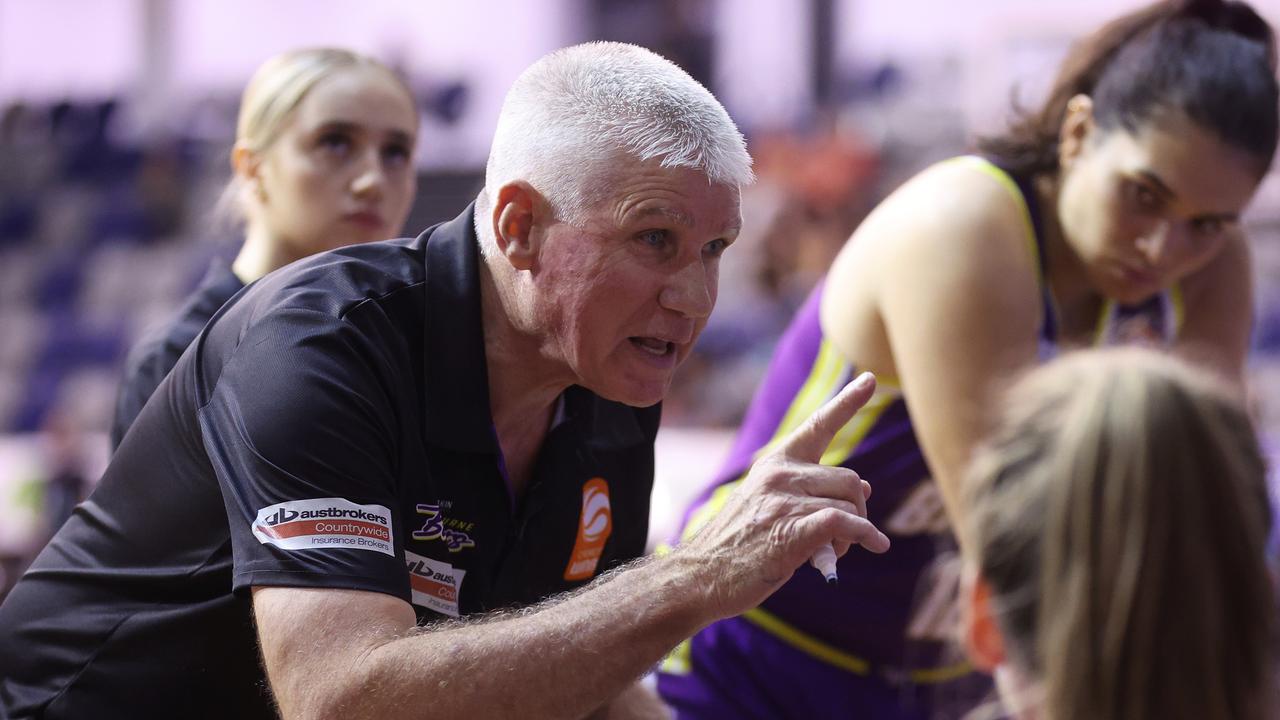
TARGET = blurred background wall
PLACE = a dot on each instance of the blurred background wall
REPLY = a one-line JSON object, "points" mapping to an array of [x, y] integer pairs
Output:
{"points": [[116, 118]]}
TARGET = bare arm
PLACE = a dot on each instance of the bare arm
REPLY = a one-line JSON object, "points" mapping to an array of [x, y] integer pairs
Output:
{"points": [[1218, 307], [945, 269], [357, 654], [351, 654]]}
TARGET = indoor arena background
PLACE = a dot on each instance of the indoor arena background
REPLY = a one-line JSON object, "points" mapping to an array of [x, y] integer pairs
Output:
{"points": [[116, 118]]}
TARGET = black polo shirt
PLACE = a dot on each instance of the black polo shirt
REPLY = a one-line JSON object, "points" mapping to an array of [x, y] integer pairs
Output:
{"points": [[329, 428], [159, 349]]}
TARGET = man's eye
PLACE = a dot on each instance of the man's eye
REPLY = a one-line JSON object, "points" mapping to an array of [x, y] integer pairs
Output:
{"points": [[716, 247], [654, 238]]}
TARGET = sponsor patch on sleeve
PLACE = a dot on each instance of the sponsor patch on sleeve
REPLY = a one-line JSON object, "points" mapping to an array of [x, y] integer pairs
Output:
{"points": [[325, 524], [435, 584]]}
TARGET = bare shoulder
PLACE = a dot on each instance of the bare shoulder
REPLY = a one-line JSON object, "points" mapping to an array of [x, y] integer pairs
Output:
{"points": [[952, 210], [1229, 272], [951, 230], [1217, 318]]}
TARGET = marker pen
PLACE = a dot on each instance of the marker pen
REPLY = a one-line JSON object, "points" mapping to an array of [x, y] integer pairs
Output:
{"points": [[824, 559]]}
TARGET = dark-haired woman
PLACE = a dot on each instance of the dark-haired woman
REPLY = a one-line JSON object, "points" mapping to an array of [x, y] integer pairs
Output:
{"points": [[1112, 214]]}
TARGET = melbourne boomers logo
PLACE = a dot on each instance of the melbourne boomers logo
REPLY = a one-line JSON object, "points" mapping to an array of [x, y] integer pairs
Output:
{"points": [[452, 532], [325, 524], [593, 530]]}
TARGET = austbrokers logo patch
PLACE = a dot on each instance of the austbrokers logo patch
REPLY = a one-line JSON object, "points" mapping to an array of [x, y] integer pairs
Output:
{"points": [[325, 524], [434, 584]]}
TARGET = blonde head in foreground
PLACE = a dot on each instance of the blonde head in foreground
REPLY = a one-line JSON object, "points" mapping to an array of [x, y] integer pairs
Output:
{"points": [[1115, 545]]}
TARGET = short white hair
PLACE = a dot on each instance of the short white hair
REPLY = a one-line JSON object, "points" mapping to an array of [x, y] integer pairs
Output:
{"points": [[569, 116]]}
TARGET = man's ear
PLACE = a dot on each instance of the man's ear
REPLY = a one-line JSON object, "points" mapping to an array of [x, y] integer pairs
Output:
{"points": [[982, 639], [1077, 125], [519, 214]]}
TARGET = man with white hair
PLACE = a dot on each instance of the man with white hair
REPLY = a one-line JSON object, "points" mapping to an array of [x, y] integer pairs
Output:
{"points": [[405, 472]]}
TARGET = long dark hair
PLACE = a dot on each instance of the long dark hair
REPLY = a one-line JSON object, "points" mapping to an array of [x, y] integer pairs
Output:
{"points": [[1212, 61]]}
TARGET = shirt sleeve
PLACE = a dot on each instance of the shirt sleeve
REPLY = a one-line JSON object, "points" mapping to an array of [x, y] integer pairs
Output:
{"points": [[301, 428], [144, 369]]}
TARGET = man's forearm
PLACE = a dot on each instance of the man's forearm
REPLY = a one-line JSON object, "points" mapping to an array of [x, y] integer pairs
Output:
{"points": [[560, 659]]}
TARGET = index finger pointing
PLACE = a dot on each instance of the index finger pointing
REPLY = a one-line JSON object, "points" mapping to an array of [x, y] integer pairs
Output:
{"points": [[811, 439]]}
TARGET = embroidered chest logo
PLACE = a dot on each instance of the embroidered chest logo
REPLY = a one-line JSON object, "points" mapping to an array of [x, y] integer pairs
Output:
{"points": [[593, 530], [454, 533]]}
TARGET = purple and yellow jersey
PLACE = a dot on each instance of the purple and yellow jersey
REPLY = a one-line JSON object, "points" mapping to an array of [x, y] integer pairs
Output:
{"points": [[892, 612]]}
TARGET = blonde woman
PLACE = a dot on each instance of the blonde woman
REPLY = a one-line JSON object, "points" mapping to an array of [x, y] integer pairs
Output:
{"points": [[323, 158], [1114, 541]]}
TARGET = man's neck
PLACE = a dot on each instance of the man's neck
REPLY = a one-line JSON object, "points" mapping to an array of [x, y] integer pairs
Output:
{"points": [[524, 383]]}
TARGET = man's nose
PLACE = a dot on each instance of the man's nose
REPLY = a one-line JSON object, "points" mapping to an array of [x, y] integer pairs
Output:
{"points": [[690, 291]]}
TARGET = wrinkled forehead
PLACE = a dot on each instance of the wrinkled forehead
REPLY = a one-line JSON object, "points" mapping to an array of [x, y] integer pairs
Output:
{"points": [[681, 200]]}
